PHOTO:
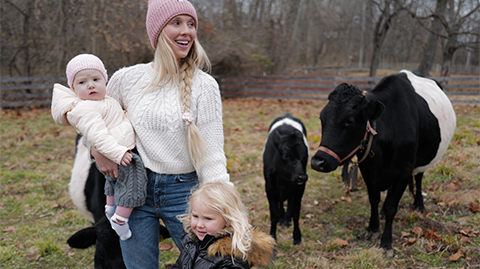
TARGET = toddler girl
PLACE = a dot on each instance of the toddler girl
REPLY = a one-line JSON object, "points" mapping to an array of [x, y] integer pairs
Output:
{"points": [[217, 233]]}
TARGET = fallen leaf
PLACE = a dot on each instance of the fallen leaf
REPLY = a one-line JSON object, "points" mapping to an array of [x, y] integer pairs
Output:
{"points": [[455, 256], [404, 234], [453, 186], [454, 202], [309, 216], [175, 249], [253, 207], [432, 234], [10, 229], [442, 203], [464, 239], [433, 187], [346, 199], [417, 230], [340, 242], [474, 206], [410, 241], [164, 246]]}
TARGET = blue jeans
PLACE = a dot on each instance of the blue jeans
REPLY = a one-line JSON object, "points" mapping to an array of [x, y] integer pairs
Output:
{"points": [[167, 198]]}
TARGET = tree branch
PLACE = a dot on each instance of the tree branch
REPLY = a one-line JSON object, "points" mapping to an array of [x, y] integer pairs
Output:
{"points": [[16, 7]]}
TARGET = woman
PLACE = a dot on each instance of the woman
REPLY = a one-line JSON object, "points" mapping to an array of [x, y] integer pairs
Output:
{"points": [[176, 112]]}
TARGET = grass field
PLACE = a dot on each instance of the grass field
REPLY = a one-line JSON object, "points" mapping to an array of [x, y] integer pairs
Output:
{"points": [[37, 216]]}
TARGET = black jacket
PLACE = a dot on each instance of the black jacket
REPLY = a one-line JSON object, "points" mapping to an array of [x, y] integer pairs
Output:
{"points": [[215, 251]]}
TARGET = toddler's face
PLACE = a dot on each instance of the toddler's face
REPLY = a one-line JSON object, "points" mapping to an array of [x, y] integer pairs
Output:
{"points": [[89, 84], [205, 220]]}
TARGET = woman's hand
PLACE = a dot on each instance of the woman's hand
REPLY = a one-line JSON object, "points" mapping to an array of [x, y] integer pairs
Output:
{"points": [[105, 165]]}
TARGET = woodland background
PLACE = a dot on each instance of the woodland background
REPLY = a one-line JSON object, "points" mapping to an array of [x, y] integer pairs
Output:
{"points": [[250, 37]]}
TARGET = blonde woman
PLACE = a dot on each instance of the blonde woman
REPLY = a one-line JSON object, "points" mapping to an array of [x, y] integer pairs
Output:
{"points": [[176, 111], [218, 234]]}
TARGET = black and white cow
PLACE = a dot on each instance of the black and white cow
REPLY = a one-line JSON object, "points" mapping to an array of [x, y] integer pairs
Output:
{"points": [[412, 122], [87, 193], [285, 158]]}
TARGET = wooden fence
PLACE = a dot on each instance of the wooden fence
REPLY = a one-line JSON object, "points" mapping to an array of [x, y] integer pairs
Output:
{"points": [[465, 89], [17, 92]]}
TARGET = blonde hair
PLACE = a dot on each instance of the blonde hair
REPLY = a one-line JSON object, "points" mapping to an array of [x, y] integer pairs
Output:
{"points": [[225, 199], [169, 71]]}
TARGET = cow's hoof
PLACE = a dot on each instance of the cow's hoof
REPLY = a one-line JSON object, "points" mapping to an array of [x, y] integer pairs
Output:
{"points": [[297, 242], [373, 236], [420, 209], [389, 253]]}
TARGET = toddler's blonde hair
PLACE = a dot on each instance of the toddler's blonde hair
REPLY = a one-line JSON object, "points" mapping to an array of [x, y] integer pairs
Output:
{"points": [[225, 199]]}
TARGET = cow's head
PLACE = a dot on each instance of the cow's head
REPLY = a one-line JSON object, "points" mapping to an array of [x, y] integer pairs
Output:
{"points": [[292, 154], [344, 120]]}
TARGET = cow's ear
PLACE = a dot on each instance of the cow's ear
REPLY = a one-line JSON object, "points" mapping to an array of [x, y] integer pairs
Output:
{"points": [[373, 110]]}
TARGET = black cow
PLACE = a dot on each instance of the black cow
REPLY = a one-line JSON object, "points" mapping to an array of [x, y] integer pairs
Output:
{"points": [[412, 122], [285, 158], [87, 193]]}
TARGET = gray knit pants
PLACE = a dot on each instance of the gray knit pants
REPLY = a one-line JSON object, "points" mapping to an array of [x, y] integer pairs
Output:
{"points": [[131, 190]]}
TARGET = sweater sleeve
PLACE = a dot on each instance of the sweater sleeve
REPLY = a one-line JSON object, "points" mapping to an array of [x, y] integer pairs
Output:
{"points": [[213, 165], [88, 121]]}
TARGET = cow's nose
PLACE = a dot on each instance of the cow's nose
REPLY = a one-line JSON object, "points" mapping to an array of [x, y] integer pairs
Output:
{"points": [[318, 164], [301, 179]]}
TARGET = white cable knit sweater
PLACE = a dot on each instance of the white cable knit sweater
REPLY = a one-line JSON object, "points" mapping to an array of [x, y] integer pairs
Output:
{"points": [[157, 119]]}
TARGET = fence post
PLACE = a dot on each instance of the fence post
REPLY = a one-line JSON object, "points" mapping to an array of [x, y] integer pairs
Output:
{"points": [[288, 91], [244, 89]]}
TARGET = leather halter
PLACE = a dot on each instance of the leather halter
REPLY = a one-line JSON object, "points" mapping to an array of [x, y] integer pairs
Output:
{"points": [[334, 155]]}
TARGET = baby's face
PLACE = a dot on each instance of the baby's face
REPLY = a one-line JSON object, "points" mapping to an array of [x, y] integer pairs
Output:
{"points": [[89, 84]]}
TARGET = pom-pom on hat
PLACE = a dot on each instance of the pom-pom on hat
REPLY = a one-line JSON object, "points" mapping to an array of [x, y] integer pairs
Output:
{"points": [[160, 12], [82, 62]]}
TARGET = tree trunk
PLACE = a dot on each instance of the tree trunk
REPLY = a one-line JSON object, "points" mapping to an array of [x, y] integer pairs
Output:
{"points": [[431, 45], [379, 36]]}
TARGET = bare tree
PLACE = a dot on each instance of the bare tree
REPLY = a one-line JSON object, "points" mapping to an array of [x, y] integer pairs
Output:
{"points": [[430, 47], [461, 30], [389, 9]]}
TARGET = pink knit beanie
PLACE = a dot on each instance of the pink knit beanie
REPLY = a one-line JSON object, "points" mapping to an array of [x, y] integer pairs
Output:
{"points": [[82, 62], [160, 12]]}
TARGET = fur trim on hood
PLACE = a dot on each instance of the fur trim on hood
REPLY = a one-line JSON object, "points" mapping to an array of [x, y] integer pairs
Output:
{"points": [[261, 253]]}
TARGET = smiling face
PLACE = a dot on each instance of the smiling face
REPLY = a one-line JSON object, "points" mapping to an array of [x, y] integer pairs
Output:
{"points": [[89, 84], [205, 220], [182, 32]]}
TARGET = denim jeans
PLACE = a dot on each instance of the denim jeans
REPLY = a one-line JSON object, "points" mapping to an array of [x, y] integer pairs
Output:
{"points": [[167, 198]]}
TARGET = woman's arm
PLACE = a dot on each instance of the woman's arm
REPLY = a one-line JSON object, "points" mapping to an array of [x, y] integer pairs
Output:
{"points": [[105, 165]]}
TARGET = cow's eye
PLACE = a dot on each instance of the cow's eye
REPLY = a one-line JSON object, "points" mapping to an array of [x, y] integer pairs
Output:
{"points": [[286, 157], [350, 122]]}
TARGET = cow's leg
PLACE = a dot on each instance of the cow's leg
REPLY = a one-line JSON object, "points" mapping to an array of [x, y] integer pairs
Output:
{"points": [[286, 216], [418, 204], [390, 207], [374, 225], [273, 202], [294, 208]]}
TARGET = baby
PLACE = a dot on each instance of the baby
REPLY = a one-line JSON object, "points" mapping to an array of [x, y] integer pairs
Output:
{"points": [[104, 124]]}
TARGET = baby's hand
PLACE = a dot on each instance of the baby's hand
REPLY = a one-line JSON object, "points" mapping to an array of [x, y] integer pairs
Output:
{"points": [[126, 159]]}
